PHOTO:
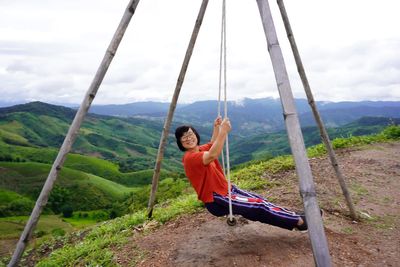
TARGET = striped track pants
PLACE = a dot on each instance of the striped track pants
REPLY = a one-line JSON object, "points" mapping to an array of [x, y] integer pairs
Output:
{"points": [[253, 207]]}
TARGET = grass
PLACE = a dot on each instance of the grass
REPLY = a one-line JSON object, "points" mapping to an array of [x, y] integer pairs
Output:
{"points": [[84, 163], [9, 196], [358, 190], [387, 200], [37, 172], [89, 191], [95, 249], [11, 227], [348, 230], [81, 222], [115, 190], [386, 222]]}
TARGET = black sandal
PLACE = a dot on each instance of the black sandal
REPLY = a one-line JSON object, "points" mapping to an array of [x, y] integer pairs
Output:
{"points": [[304, 227]]}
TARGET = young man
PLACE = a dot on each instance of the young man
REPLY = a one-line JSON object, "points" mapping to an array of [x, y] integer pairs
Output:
{"points": [[207, 178]]}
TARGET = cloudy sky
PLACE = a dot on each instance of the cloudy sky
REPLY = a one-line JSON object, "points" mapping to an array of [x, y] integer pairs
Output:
{"points": [[51, 49]]}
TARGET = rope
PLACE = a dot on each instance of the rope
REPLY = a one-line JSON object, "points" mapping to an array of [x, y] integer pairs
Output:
{"points": [[220, 78], [222, 65]]}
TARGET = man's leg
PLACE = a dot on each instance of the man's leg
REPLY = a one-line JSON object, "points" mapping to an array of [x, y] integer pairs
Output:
{"points": [[258, 209], [238, 191]]}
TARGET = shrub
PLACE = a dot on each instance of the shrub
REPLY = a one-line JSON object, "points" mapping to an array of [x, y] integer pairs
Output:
{"points": [[100, 215], [67, 211], [39, 233], [58, 232], [392, 132], [17, 207], [59, 196], [117, 210]]}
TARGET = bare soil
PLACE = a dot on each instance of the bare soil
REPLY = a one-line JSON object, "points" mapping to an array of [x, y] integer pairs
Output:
{"points": [[373, 176]]}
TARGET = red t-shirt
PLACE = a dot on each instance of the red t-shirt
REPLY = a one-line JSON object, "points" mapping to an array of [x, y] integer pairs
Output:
{"points": [[205, 179]]}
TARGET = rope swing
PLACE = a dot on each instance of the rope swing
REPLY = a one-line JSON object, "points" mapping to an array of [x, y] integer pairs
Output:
{"points": [[222, 68], [296, 140]]}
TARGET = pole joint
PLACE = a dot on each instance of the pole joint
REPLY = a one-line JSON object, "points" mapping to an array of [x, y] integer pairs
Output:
{"points": [[111, 52], [286, 114], [305, 194]]}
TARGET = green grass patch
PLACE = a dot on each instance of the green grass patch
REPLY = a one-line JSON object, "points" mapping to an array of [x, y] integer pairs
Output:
{"points": [[12, 227], [386, 222], [94, 249], [348, 230], [83, 219], [80, 190], [8, 196], [387, 200], [358, 189], [13, 204], [252, 177], [113, 189], [88, 164]]}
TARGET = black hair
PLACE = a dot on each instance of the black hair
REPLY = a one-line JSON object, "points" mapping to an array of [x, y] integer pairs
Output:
{"points": [[179, 133]]}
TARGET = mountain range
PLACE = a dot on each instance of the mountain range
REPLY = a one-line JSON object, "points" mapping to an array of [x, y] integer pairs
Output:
{"points": [[112, 155], [255, 115]]}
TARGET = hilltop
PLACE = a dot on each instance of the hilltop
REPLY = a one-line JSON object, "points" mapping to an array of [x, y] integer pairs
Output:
{"points": [[203, 240], [183, 234], [90, 180]]}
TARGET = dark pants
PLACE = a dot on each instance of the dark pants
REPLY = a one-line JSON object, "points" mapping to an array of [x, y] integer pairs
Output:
{"points": [[253, 207]]}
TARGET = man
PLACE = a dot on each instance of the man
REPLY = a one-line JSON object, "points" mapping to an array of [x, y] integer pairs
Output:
{"points": [[207, 178]]}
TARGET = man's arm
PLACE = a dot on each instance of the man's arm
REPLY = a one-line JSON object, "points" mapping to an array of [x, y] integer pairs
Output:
{"points": [[217, 123], [218, 144]]}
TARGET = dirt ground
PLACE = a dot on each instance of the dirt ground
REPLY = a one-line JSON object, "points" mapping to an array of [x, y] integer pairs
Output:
{"points": [[373, 175]]}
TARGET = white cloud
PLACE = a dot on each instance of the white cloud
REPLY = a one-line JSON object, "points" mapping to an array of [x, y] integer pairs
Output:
{"points": [[50, 50]]}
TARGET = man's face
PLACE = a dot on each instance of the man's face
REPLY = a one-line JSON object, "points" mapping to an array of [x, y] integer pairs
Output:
{"points": [[189, 140]]}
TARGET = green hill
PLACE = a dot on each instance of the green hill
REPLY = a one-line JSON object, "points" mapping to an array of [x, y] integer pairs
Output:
{"points": [[130, 143], [96, 166], [98, 245], [12, 203], [81, 191], [113, 158], [264, 146]]}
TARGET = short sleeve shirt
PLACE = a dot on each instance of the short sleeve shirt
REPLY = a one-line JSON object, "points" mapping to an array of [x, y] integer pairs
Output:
{"points": [[205, 179]]}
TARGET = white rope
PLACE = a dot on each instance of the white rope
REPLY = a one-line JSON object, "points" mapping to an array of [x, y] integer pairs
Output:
{"points": [[220, 79], [223, 66]]}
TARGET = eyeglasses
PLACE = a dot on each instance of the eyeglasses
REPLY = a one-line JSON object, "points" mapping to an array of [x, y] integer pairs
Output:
{"points": [[187, 136]]}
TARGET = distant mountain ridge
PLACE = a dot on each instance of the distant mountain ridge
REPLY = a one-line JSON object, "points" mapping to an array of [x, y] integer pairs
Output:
{"points": [[40, 108], [259, 115], [131, 109]]}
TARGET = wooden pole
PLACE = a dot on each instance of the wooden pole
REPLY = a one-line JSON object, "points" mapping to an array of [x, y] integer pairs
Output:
{"points": [[307, 189], [167, 123], [73, 133], [324, 134]]}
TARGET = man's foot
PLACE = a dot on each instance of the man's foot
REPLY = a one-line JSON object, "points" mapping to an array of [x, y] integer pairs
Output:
{"points": [[302, 226]]}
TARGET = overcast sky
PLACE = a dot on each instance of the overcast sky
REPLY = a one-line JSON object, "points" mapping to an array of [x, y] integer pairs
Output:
{"points": [[51, 49]]}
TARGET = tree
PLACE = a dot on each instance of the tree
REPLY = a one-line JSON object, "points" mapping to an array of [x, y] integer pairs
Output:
{"points": [[59, 197], [67, 211]]}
